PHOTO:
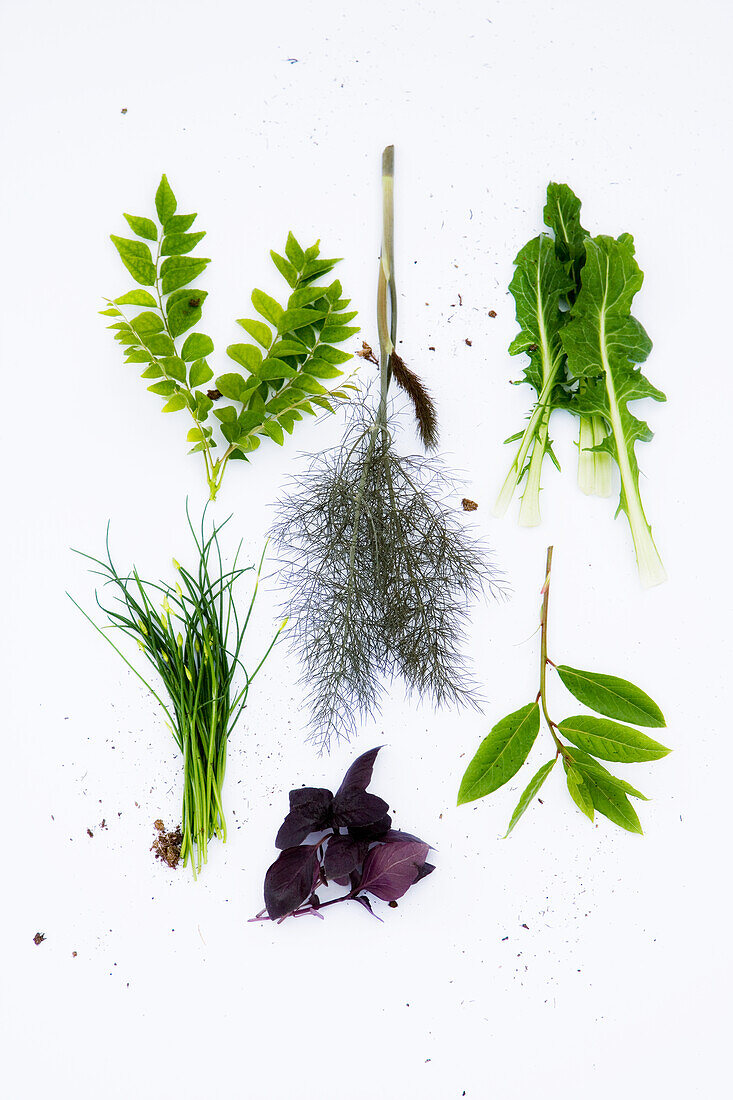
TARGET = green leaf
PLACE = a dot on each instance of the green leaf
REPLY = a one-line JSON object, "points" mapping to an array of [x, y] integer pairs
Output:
{"points": [[177, 271], [165, 201], [333, 355], [501, 754], [179, 223], [306, 296], [579, 791], [164, 389], [288, 347], [259, 331], [137, 357], [530, 792], [321, 266], [200, 372], [153, 371], [293, 319], [247, 355], [272, 369], [611, 696], [196, 346], [174, 367], [294, 252], [137, 259], [143, 227], [182, 315], [159, 344], [176, 244], [147, 323], [610, 740], [176, 403], [336, 334], [587, 763], [267, 307], [234, 387], [320, 369], [606, 798], [309, 384], [273, 429], [604, 346], [562, 216], [111, 311], [288, 272], [137, 298]]}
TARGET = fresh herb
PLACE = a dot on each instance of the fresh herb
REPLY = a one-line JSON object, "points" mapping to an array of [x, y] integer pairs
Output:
{"points": [[573, 295], [192, 635], [381, 572], [592, 787], [292, 355], [355, 847]]}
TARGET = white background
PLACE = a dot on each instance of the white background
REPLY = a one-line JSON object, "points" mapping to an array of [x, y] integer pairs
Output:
{"points": [[273, 117]]}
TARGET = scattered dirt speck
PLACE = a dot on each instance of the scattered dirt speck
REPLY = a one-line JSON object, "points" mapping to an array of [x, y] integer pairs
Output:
{"points": [[39, 938], [492, 313], [89, 832], [74, 954], [469, 343], [469, 505]]}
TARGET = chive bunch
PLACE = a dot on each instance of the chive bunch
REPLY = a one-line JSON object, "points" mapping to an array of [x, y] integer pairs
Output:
{"points": [[191, 634]]}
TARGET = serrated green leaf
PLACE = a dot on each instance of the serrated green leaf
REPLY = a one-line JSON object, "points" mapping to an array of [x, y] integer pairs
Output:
{"points": [[177, 271], [137, 298], [501, 754], [200, 372], [579, 791], [179, 223], [267, 307], [530, 792], [176, 403], [286, 269], [143, 227], [294, 252], [256, 329], [275, 432], [137, 259], [610, 740], [197, 346], [247, 355], [612, 696], [177, 244], [165, 201], [164, 388]]}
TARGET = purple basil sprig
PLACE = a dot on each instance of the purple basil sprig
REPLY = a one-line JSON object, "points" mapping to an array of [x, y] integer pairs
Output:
{"points": [[357, 848]]}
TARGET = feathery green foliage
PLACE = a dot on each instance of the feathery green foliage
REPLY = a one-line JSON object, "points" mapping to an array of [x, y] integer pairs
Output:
{"points": [[573, 295], [192, 635], [292, 355], [591, 786]]}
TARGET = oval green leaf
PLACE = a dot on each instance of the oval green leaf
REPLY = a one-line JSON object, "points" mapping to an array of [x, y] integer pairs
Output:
{"points": [[611, 696], [196, 346], [611, 740], [579, 791], [501, 754]]}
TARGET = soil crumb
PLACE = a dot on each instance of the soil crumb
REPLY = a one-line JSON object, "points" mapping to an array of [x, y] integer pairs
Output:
{"points": [[469, 505], [167, 845], [39, 938]]}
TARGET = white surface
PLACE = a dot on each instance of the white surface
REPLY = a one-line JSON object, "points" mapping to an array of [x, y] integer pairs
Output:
{"points": [[274, 118]]}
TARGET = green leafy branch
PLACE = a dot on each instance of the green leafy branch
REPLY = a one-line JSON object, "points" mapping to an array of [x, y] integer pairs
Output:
{"points": [[592, 787], [292, 355]]}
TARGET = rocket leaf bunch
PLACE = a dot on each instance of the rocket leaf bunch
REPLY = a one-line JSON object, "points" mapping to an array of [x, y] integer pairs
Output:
{"points": [[281, 371], [591, 739], [574, 295]]}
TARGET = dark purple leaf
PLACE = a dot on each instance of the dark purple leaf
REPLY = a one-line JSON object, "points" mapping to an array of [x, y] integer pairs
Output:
{"points": [[310, 812], [343, 880], [309, 796], [357, 807], [343, 855], [391, 869], [376, 831], [397, 834], [290, 880], [424, 871], [359, 775], [364, 900]]}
